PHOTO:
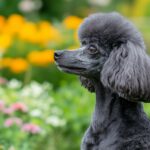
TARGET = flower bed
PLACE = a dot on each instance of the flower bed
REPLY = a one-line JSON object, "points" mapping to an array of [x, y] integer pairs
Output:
{"points": [[27, 48]]}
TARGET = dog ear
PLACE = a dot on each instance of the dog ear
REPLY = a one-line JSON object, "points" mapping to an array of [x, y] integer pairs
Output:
{"points": [[127, 72], [87, 83]]}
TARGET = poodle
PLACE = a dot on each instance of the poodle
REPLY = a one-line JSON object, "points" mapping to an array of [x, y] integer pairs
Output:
{"points": [[112, 62]]}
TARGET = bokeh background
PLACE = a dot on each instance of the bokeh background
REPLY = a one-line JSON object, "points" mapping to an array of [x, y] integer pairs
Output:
{"points": [[42, 108]]}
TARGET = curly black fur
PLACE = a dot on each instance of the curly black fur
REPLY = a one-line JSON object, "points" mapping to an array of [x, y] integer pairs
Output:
{"points": [[112, 62], [87, 83]]}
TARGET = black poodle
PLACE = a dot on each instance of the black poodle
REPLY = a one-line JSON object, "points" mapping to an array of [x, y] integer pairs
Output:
{"points": [[112, 62]]}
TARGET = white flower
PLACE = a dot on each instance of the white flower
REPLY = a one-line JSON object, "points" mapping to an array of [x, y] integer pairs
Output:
{"points": [[11, 148], [34, 90], [55, 121], [36, 113], [14, 84], [30, 5], [25, 92], [100, 2]]}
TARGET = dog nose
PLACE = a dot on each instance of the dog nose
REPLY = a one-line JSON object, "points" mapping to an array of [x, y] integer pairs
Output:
{"points": [[57, 55]]}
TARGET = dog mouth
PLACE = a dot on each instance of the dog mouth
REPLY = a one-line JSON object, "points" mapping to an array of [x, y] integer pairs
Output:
{"points": [[71, 69]]}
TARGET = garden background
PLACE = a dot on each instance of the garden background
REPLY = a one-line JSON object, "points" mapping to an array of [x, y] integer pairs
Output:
{"points": [[41, 107]]}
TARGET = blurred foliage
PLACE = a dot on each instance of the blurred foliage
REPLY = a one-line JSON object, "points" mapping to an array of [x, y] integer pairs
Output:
{"points": [[61, 119], [8, 7], [27, 47], [56, 10]]}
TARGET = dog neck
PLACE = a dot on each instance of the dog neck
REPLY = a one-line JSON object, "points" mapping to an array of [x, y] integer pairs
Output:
{"points": [[110, 110]]}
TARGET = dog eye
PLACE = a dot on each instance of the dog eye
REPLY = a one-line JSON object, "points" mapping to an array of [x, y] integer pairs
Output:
{"points": [[93, 50]]}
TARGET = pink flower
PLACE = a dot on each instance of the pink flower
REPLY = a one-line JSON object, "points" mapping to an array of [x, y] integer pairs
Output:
{"points": [[18, 121], [11, 121], [19, 106], [2, 105], [8, 122], [7, 110], [2, 81], [31, 128]]}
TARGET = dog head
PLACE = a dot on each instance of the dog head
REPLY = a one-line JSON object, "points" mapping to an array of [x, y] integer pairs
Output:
{"points": [[112, 51]]}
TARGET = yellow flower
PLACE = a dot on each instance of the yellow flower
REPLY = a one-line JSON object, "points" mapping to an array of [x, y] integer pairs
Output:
{"points": [[5, 41], [51, 56], [72, 22], [2, 23], [41, 58], [28, 32], [14, 24], [48, 33], [5, 62], [18, 65], [15, 19]]}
